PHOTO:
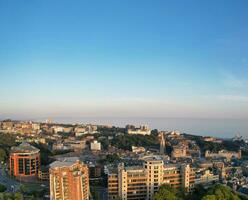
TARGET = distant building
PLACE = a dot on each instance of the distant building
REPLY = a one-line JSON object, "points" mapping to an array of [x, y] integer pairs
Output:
{"points": [[24, 162], [206, 177], [223, 154], [212, 139], [87, 129], [138, 149], [179, 151], [141, 182], [35, 126], [95, 171], [49, 121], [69, 179], [95, 146], [143, 130], [43, 173], [7, 125]]}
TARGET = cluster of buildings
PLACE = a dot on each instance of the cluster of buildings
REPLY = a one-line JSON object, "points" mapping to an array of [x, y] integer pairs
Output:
{"points": [[138, 175], [34, 128]]}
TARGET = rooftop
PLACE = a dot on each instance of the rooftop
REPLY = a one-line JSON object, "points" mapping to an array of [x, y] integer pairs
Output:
{"points": [[64, 162], [24, 147]]}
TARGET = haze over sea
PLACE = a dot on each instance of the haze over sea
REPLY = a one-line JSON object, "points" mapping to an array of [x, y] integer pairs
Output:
{"points": [[222, 128]]}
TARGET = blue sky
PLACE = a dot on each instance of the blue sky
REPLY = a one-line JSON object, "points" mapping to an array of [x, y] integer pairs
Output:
{"points": [[124, 58]]}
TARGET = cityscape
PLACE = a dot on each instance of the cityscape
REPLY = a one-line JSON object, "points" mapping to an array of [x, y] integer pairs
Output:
{"points": [[123, 100], [47, 160]]}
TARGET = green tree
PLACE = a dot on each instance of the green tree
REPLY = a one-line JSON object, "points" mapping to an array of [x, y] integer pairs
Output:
{"points": [[209, 197], [2, 188], [3, 155], [221, 192], [18, 196], [165, 192], [8, 196]]}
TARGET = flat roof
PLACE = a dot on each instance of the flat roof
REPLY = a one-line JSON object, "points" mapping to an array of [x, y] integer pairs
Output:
{"points": [[64, 162]]}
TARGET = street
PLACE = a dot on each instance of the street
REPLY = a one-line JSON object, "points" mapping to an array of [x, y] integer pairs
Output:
{"points": [[11, 184]]}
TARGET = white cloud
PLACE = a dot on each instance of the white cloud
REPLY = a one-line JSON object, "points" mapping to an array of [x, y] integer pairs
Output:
{"points": [[235, 98], [230, 80]]}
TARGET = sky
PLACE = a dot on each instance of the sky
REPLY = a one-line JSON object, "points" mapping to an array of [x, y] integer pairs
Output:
{"points": [[113, 58]]}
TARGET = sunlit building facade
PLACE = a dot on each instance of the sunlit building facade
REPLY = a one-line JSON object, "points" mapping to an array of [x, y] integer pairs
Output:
{"points": [[69, 180], [142, 182], [24, 161]]}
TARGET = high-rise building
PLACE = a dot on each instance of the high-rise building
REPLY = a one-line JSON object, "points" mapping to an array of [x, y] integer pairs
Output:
{"points": [[69, 180], [24, 162], [141, 182]]}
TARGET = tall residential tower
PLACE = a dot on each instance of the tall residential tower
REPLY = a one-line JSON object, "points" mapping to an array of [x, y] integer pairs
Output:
{"points": [[69, 179]]}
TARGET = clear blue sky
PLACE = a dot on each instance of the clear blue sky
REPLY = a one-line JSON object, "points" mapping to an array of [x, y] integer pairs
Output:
{"points": [[124, 58]]}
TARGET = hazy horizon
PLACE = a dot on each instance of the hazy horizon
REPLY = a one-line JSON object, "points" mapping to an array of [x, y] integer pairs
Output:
{"points": [[222, 128]]}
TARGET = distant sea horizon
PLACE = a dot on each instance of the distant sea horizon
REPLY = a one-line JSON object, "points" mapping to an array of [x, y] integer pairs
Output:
{"points": [[222, 128]]}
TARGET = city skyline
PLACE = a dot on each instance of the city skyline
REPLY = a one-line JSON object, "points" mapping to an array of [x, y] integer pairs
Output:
{"points": [[123, 59]]}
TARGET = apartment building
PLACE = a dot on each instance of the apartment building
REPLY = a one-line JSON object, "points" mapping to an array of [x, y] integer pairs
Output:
{"points": [[24, 161], [69, 180], [142, 182]]}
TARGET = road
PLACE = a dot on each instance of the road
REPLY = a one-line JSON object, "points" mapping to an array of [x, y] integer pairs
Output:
{"points": [[11, 184]]}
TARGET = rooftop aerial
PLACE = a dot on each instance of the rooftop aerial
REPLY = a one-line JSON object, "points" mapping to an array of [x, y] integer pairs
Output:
{"points": [[65, 162], [24, 147]]}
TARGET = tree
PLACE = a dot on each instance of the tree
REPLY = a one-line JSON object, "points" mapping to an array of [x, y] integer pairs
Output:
{"points": [[220, 192], [199, 192], [209, 197], [8, 196], [18, 196], [165, 192], [2, 188], [3, 155]]}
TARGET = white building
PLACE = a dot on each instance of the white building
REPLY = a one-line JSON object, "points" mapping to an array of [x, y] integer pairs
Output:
{"points": [[95, 146], [143, 130]]}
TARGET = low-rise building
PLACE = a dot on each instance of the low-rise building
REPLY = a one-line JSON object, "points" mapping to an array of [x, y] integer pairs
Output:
{"points": [[143, 130], [206, 177], [223, 154], [95, 146], [179, 151], [138, 149]]}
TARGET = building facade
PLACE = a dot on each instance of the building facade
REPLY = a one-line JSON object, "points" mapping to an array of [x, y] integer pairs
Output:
{"points": [[143, 130], [95, 146], [142, 182], [24, 161], [69, 180], [223, 154]]}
